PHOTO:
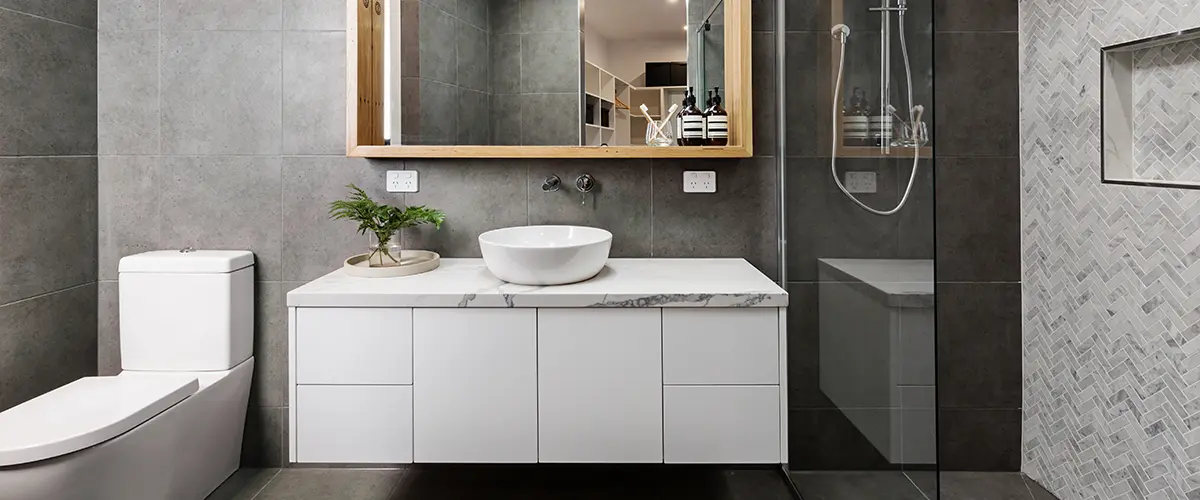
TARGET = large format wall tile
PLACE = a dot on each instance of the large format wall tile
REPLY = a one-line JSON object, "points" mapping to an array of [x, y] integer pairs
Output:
{"points": [[48, 225], [128, 217], [550, 119], [976, 123], [979, 439], [550, 62], [979, 345], [739, 220], [127, 15], [81, 13], [438, 39], [314, 245], [472, 47], [477, 196], [127, 92], [221, 15], [41, 348], [620, 203], [108, 329], [221, 92], [805, 101], [314, 15], [269, 388], [975, 15], [48, 78], [314, 90], [264, 442], [979, 219], [223, 203], [549, 15], [823, 223]]}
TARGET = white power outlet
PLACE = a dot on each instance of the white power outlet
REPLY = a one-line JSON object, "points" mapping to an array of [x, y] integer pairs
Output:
{"points": [[861, 182], [700, 182], [402, 181]]}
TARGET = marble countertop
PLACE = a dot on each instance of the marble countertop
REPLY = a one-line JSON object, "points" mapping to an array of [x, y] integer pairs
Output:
{"points": [[901, 282], [622, 283]]}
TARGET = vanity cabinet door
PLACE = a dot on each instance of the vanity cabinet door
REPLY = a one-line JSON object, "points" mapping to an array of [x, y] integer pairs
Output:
{"points": [[600, 385], [475, 385], [369, 424], [721, 346], [721, 424], [354, 346]]}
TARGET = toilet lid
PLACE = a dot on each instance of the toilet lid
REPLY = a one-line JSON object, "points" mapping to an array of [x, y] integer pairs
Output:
{"points": [[84, 413]]}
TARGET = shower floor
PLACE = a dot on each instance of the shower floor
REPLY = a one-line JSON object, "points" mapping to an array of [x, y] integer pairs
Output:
{"points": [[917, 485]]}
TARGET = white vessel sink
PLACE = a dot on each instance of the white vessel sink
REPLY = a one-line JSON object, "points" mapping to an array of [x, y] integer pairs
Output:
{"points": [[545, 255]]}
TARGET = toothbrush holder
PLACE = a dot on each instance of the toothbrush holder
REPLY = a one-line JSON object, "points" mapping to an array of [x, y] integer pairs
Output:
{"points": [[662, 137]]}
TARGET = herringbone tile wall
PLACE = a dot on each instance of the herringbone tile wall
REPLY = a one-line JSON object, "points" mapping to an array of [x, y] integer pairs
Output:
{"points": [[1166, 122], [1110, 274]]}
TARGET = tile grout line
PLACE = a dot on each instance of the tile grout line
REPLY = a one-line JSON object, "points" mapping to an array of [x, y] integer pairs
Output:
{"points": [[268, 483], [44, 18]]}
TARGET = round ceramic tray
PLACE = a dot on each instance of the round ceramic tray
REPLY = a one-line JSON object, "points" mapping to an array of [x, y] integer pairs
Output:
{"points": [[411, 262]]}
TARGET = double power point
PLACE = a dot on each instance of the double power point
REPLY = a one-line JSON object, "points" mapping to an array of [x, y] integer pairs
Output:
{"points": [[402, 181], [700, 182]]}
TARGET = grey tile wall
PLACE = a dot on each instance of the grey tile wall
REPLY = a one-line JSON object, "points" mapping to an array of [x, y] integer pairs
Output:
{"points": [[536, 64], [451, 80], [273, 200], [48, 196], [977, 208], [975, 205]]}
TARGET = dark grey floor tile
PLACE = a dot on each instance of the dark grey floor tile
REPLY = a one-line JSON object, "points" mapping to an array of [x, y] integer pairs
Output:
{"points": [[983, 486], [825, 440], [340, 484], [243, 484], [585, 482], [873, 485], [926, 481], [1037, 490]]}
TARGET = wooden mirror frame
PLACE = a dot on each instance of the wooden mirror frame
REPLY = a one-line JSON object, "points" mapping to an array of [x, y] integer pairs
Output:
{"points": [[364, 104]]}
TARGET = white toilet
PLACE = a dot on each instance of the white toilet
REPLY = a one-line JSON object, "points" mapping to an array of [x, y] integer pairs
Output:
{"points": [[169, 426]]}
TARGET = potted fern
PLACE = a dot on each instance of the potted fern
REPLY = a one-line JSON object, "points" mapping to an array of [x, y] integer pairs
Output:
{"points": [[382, 223]]}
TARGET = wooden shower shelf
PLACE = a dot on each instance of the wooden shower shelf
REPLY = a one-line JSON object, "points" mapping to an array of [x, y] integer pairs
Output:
{"points": [[875, 152]]}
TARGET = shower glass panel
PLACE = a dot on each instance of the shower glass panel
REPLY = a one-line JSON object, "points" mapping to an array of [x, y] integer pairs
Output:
{"points": [[859, 259], [709, 70]]}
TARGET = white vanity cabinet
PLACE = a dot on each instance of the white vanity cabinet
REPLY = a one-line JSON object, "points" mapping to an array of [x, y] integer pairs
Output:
{"points": [[600, 385], [407, 370]]}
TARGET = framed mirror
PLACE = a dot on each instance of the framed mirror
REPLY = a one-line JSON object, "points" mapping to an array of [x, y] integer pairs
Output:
{"points": [[549, 78]]}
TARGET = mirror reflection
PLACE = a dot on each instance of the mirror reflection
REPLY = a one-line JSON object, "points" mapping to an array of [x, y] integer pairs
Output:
{"points": [[554, 72]]}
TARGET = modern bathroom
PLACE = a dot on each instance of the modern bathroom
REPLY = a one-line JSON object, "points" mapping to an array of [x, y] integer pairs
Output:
{"points": [[599, 249]]}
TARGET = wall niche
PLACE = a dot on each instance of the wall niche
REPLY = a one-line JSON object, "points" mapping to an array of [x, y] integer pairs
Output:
{"points": [[1150, 113]]}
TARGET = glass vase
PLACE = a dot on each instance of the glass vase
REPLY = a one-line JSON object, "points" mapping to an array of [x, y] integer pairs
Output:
{"points": [[384, 250]]}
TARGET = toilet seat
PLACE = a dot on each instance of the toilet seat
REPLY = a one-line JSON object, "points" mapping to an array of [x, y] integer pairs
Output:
{"points": [[84, 413]]}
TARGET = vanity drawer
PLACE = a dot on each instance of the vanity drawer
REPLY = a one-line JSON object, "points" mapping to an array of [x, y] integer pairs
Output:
{"points": [[721, 346], [349, 346], [721, 424], [354, 424]]}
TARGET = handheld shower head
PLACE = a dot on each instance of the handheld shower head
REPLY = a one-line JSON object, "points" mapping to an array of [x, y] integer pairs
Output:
{"points": [[841, 32]]}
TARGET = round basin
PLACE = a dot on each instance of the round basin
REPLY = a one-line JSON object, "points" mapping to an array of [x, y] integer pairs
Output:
{"points": [[545, 255]]}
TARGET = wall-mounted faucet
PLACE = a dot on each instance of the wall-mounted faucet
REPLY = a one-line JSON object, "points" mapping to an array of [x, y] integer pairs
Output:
{"points": [[551, 184], [585, 184]]}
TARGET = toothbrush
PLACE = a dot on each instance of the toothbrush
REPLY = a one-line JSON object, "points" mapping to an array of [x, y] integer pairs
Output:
{"points": [[671, 113]]}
